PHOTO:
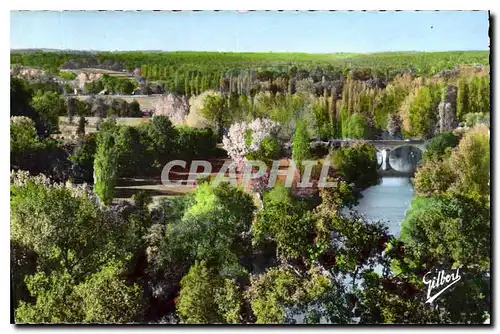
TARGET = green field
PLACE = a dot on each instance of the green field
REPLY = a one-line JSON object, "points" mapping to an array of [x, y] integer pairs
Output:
{"points": [[145, 102], [68, 130], [99, 70]]}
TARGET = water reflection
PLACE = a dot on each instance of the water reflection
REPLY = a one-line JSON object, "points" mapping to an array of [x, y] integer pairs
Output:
{"points": [[387, 201]]}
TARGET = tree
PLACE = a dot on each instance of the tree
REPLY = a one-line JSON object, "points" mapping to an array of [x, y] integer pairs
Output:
{"points": [[102, 298], [134, 109], [105, 166], [82, 250], [214, 110], [82, 158], [20, 97], [447, 109], [357, 127], [394, 125], [387, 103], [424, 111], [357, 164], [465, 172], [71, 105], [22, 134], [357, 244], [462, 99], [449, 224], [211, 229], [132, 156], [105, 297], [196, 143], [301, 142], [229, 300], [286, 222], [49, 106], [51, 291], [281, 293], [472, 119], [195, 117], [65, 226], [393, 300], [80, 130], [98, 108], [453, 229], [254, 140], [196, 302], [207, 298], [24, 143], [271, 292], [479, 95], [439, 145], [471, 162], [162, 136], [433, 177]]}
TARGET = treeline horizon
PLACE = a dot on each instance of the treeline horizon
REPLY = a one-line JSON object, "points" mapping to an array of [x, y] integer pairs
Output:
{"points": [[138, 58]]}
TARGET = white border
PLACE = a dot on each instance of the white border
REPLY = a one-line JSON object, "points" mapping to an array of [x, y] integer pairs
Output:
{"points": [[257, 5]]}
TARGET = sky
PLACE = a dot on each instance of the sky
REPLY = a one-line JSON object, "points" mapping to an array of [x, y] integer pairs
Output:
{"points": [[229, 31]]}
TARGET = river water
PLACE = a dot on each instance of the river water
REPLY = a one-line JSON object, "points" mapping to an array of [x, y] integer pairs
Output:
{"points": [[387, 201]]}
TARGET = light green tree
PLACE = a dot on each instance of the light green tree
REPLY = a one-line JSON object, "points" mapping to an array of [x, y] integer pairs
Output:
{"points": [[301, 142]]}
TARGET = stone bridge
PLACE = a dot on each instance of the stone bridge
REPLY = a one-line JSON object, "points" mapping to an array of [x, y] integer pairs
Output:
{"points": [[394, 157]]}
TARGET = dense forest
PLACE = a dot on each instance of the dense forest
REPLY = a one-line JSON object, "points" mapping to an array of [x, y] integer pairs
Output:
{"points": [[340, 95], [422, 62], [248, 253]]}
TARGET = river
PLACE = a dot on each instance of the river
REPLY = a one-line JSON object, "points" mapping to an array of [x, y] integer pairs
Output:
{"points": [[387, 201]]}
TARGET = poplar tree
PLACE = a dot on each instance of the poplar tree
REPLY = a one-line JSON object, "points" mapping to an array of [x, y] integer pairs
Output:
{"points": [[301, 140], [462, 99], [105, 166]]}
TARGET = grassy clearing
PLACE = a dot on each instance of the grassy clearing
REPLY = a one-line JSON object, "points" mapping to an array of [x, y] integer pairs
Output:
{"points": [[145, 101], [99, 70], [68, 130]]}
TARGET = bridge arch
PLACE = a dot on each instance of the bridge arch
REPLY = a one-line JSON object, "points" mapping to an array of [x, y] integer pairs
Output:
{"points": [[389, 153], [405, 158]]}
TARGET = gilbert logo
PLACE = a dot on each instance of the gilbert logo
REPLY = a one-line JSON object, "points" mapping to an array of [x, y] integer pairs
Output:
{"points": [[442, 281]]}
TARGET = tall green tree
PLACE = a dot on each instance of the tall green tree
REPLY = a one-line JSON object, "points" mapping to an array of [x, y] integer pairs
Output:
{"points": [[357, 127], [424, 111], [301, 144], [214, 109], [105, 165], [462, 99]]}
